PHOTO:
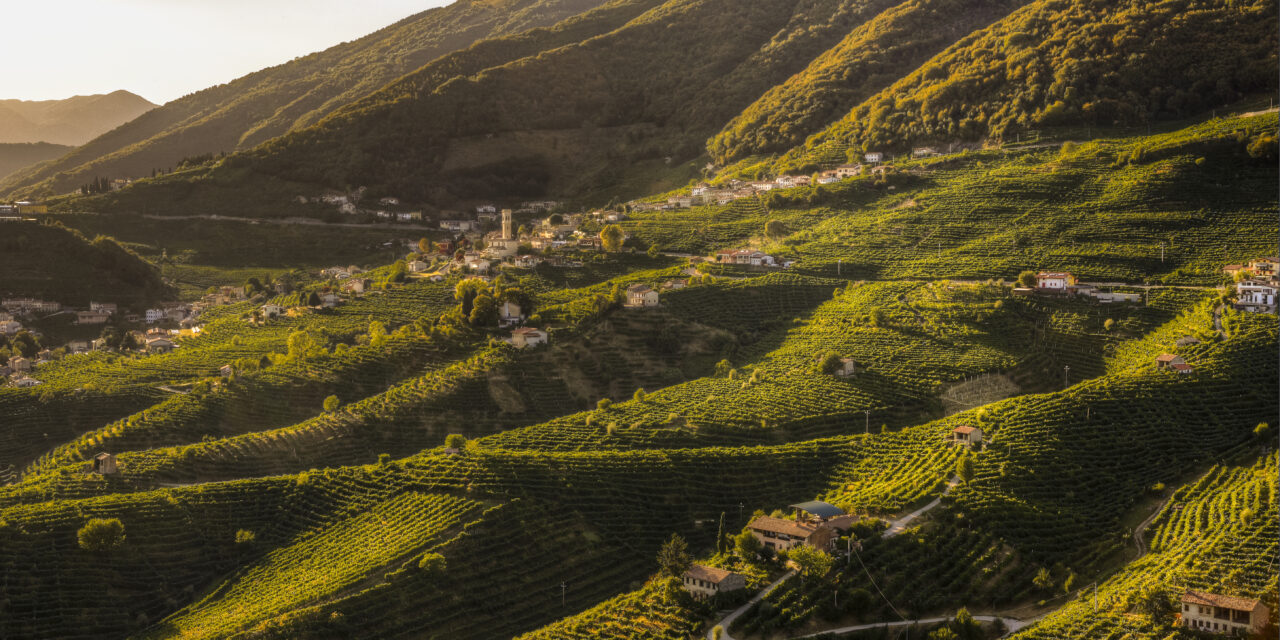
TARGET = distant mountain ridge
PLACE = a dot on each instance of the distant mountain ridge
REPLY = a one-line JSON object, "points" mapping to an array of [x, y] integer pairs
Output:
{"points": [[72, 121]]}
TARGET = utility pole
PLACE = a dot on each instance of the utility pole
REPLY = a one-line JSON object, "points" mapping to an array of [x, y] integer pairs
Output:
{"points": [[867, 414], [563, 586], [741, 506], [1161, 253], [1065, 370], [839, 262]]}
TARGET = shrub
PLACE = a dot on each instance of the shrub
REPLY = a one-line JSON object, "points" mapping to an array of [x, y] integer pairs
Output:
{"points": [[101, 534], [432, 563], [245, 537], [331, 403], [455, 441]]}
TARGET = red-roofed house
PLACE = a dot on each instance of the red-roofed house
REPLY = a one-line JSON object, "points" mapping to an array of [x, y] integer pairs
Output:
{"points": [[965, 434], [527, 337], [1054, 281]]}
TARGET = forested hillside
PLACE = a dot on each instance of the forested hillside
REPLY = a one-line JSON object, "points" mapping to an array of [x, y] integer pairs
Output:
{"points": [[15, 156], [1095, 63], [252, 109], [61, 265], [868, 59]]}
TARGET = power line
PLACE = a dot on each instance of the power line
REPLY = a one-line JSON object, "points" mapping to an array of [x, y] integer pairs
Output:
{"points": [[877, 587]]}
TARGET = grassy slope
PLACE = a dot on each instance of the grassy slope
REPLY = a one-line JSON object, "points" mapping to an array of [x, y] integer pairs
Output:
{"points": [[15, 156]]}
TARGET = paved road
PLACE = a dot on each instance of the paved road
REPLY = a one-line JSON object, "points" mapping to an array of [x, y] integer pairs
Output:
{"points": [[898, 526], [728, 620], [1141, 528], [301, 221], [1012, 624]]}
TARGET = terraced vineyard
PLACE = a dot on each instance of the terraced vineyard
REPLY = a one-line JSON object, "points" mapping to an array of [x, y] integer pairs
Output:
{"points": [[1208, 537]]}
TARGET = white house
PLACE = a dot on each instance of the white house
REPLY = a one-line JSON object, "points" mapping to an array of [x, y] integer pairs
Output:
{"points": [[486, 208], [704, 582], [873, 157], [8, 327], [155, 315], [389, 201], [527, 337], [479, 265], [19, 363], [272, 310], [641, 295], [1054, 281], [417, 266], [104, 307], [329, 300], [1256, 295], [1212, 613]]}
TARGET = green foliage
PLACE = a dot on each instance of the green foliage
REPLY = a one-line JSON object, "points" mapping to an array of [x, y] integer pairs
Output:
{"points": [[611, 237], [331, 403], [673, 557], [455, 441], [1027, 279], [813, 563], [432, 564], [101, 534]]}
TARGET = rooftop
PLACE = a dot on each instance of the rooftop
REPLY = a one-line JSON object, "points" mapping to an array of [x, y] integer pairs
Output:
{"points": [[778, 525], [709, 574], [819, 508], [1215, 600]]}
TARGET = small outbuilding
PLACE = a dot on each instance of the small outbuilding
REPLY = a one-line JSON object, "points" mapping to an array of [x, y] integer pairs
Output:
{"points": [[1167, 361], [966, 435], [104, 464]]}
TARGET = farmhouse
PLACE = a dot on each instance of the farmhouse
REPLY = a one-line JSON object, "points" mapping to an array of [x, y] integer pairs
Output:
{"points": [[19, 363], [966, 435], [417, 266], [745, 256], [1182, 368], [527, 337], [272, 310], [1054, 281], [10, 326], [1256, 295], [779, 534], [1168, 360], [104, 307], [104, 464], [641, 295], [527, 261], [845, 171], [704, 582], [873, 157], [329, 300], [78, 346], [1224, 614], [847, 367]]}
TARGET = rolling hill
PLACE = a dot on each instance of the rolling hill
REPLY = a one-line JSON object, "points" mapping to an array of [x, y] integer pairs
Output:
{"points": [[18, 155], [72, 121], [618, 104], [249, 110], [59, 264]]}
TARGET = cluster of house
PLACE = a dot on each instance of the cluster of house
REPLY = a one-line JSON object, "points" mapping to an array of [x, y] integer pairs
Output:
{"points": [[1257, 291], [1064, 283], [15, 370], [23, 208], [749, 257], [350, 204], [707, 194]]}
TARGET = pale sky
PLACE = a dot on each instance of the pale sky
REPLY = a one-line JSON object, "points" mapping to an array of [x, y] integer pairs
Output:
{"points": [[165, 49]]}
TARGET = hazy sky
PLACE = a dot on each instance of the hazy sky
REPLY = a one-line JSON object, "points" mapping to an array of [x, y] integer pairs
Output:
{"points": [[164, 49]]}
